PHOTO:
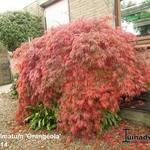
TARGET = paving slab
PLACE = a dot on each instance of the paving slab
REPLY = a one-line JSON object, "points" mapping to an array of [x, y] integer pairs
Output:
{"points": [[5, 88]]}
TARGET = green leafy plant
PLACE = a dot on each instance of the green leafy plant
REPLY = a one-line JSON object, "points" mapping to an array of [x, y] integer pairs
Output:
{"points": [[16, 27], [41, 118], [110, 119], [13, 89]]}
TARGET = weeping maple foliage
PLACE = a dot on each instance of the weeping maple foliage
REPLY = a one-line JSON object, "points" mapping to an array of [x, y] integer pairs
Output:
{"points": [[90, 63]]}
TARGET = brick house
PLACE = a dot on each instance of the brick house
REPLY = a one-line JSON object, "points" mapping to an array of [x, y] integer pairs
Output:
{"points": [[64, 11], [57, 12], [34, 8]]}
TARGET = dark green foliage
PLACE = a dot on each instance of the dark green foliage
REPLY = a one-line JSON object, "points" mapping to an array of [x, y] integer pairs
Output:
{"points": [[144, 30], [17, 27], [41, 118], [110, 119], [13, 89]]}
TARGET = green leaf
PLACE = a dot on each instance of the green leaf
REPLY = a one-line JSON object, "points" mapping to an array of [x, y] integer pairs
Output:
{"points": [[43, 122], [30, 107], [29, 118], [42, 118], [34, 124], [48, 127], [39, 124]]}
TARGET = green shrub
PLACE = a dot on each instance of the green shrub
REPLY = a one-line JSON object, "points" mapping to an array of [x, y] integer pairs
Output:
{"points": [[17, 27], [13, 89], [41, 118], [110, 119]]}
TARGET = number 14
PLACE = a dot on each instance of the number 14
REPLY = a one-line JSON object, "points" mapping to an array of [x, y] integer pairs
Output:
{"points": [[3, 144]]}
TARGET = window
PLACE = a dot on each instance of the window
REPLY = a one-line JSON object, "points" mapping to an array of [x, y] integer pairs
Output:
{"points": [[57, 13]]}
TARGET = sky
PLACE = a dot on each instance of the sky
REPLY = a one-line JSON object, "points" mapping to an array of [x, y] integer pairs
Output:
{"points": [[10, 5], [134, 0]]}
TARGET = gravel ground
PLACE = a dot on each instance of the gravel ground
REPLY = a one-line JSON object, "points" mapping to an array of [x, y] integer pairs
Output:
{"points": [[112, 140], [8, 126]]}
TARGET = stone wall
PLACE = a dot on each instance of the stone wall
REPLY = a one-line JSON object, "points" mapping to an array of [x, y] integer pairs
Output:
{"points": [[5, 73]]}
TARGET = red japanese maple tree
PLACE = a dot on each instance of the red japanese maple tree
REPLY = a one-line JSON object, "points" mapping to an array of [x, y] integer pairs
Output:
{"points": [[90, 63]]}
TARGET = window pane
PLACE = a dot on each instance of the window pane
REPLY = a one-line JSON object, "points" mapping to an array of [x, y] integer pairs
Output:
{"points": [[135, 16]]}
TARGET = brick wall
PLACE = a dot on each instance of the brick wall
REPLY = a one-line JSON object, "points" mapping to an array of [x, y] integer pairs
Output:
{"points": [[34, 8], [90, 8]]}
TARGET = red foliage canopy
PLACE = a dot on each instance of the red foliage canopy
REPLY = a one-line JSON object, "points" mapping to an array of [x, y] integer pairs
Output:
{"points": [[90, 62]]}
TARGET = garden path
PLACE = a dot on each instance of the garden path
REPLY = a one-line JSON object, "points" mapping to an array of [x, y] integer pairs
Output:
{"points": [[5, 88]]}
